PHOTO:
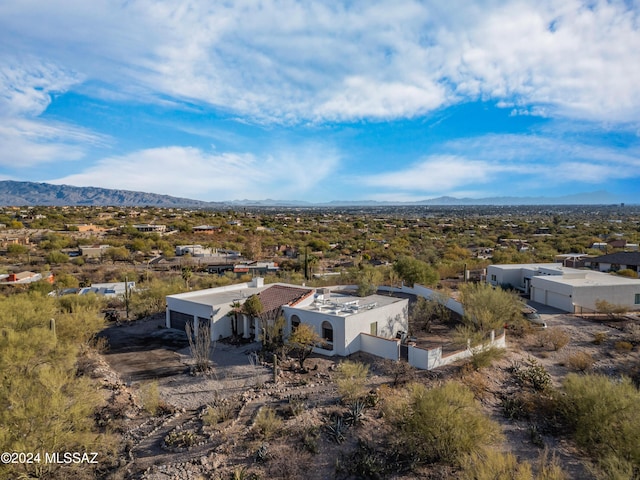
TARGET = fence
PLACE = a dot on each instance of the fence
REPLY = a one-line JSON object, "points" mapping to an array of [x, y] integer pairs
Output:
{"points": [[428, 359]]}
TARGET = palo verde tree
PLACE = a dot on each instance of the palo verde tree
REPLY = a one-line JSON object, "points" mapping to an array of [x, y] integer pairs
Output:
{"points": [[443, 424], [412, 271], [487, 308], [302, 340], [45, 405]]}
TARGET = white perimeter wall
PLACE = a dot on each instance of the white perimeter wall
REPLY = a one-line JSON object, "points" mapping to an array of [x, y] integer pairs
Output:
{"points": [[380, 347]]}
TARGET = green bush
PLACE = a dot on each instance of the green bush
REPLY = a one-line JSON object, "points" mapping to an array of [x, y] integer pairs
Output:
{"points": [[351, 378], [580, 361], [442, 424], [532, 375], [554, 337], [604, 416], [485, 357], [267, 423], [150, 396]]}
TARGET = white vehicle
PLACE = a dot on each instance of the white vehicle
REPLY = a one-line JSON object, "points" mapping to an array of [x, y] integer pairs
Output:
{"points": [[533, 316]]}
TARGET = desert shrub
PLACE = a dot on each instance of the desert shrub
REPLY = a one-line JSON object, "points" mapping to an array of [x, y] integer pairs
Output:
{"points": [[485, 357], [287, 463], [555, 337], [267, 423], [612, 467], [549, 467], [351, 378], [599, 338], [309, 439], [494, 465], [517, 406], [296, 404], [442, 424], [476, 382], [364, 462], [400, 371], [177, 439], [604, 416], [623, 347], [610, 309], [580, 361], [633, 332], [219, 411], [150, 396], [532, 375], [627, 272]]}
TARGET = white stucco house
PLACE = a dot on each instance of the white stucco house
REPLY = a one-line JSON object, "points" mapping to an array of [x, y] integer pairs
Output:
{"points": [[337, 316], [568, 289], [340, 318]]}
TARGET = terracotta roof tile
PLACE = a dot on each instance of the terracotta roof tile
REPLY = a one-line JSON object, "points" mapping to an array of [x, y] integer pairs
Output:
{"points": [[275, 296]]}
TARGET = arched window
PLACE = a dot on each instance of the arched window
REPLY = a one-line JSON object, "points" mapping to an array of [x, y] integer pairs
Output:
{"points": [[327, 332], [295, 322]]}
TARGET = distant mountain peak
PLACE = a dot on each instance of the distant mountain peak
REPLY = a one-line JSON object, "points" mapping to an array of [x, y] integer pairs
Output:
{"points": [[15, 193]]}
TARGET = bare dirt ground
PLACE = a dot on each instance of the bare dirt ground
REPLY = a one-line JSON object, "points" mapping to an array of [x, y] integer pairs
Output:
{"points": [[145, 351]]}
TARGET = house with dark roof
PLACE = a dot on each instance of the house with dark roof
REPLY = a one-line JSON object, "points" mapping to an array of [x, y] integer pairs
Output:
{"points": [[613, 262], [219, 307]]}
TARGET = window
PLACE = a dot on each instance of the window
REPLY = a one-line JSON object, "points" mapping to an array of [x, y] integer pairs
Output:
{"points": [[494, 278], [295, 322], [637, 300], [327, 332]]}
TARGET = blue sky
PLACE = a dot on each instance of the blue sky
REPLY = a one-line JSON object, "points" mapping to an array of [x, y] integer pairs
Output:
{"points": [[393, 100]]}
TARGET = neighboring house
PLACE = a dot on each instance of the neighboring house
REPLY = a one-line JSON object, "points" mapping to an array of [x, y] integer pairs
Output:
{"points": [[208, 229], [573, 260], [339, 318], [567, 289], [256, 268], [84, 227], [25, 277], [93, 251], [615, 261], [117, 289], [148, 227]]}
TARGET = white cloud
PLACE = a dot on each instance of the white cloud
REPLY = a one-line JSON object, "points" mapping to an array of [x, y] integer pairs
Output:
{"points": [[289, 60], [498, 165], [434, 174], [191, 173], [25, 93]]}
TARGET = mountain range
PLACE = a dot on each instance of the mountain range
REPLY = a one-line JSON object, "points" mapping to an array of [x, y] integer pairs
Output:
{"points": [[14, 193]]}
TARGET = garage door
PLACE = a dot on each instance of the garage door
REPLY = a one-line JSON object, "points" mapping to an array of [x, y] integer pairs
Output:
{"points": [[178, 320], [562, 302]]}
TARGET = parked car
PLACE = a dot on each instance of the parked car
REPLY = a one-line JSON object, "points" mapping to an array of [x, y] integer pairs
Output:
{"points": [[533, 316]]}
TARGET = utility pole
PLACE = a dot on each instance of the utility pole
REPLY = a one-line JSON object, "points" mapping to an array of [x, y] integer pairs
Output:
{"points": [[126, 296]]}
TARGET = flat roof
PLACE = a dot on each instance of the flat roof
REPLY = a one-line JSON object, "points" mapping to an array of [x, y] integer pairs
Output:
{"points": [[592, 279], [218, 296], [344, 304]]}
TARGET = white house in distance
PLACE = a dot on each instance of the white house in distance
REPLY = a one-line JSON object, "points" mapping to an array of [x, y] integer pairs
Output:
{"points": [[340, 318], [567, 289]]}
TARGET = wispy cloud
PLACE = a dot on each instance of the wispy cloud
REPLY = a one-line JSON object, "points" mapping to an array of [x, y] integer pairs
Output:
{"points": [[192, 173], [513, 163], [292, 61], [25, 92]]}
